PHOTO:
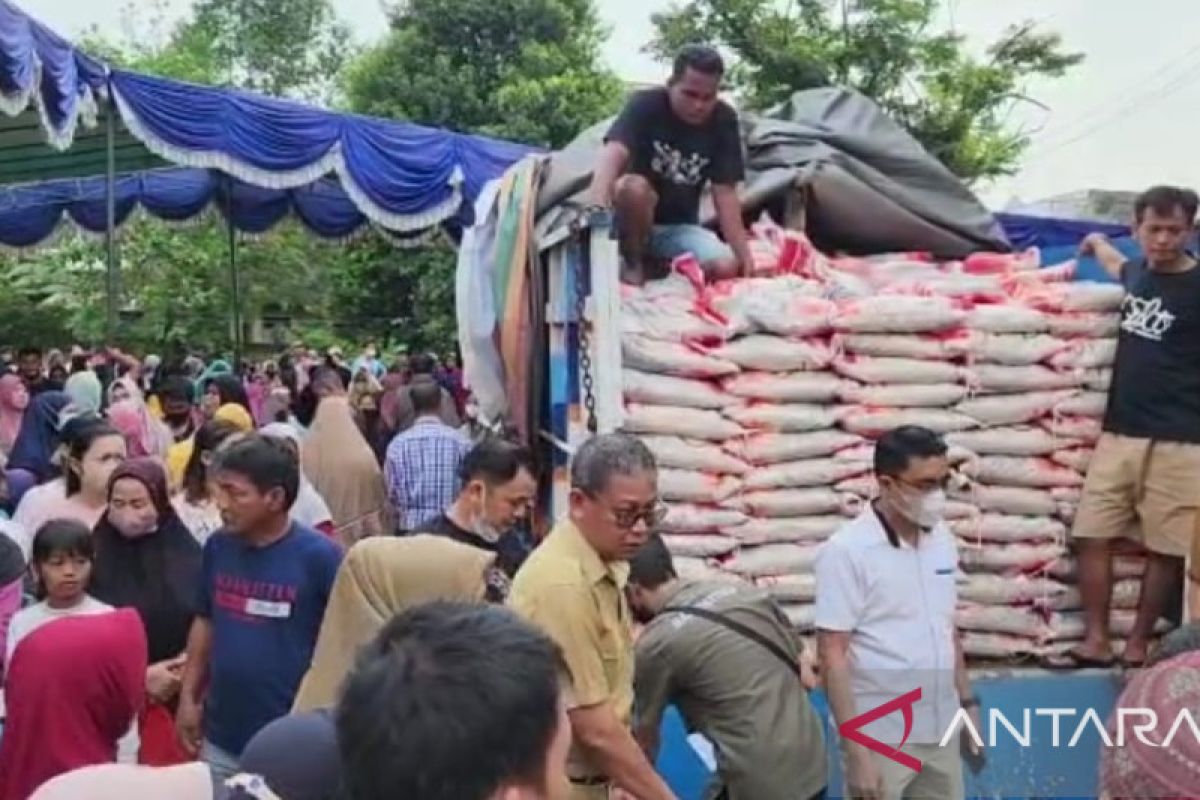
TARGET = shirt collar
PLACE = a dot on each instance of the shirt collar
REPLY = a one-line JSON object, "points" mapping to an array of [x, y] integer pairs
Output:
{"points": [[594, 568]]}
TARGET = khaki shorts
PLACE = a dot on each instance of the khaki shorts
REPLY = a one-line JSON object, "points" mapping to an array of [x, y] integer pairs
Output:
{"points": [[940, 778], [1142, 489]]}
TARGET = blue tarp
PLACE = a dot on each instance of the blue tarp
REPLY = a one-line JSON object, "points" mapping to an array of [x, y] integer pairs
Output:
{"points": [[1059, 239], [405, 178]]}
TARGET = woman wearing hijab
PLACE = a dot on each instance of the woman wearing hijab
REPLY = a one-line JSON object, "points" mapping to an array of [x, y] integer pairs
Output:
{"points": [[179, 456], [1142, 767], [296, 756], [85, 392], [73, 688], [223, 390], [144, 435], [127, 781], [342, 466], [309, 508], [31, 460], [14, 399], [379, 578], [147, 559]]}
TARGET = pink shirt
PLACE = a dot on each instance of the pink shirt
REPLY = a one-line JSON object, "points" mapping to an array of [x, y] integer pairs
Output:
{"points": [[46, 502]]}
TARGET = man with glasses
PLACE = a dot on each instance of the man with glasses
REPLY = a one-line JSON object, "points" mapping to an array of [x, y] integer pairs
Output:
{"points": [[572, 587], [885, 626]]}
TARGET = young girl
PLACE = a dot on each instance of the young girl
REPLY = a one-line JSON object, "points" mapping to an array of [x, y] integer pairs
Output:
{"points": [[63, 553]]}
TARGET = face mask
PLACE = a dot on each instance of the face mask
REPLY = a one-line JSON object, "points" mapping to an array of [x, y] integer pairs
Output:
{"points": [[133, 526], [485, 530], [930, 509]]}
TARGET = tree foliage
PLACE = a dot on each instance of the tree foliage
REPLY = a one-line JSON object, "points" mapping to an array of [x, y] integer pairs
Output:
{"points": [[957, 104], [518, 69]]}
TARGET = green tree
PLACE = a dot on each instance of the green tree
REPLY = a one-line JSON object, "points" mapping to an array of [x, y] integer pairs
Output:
{"points": [[518, 69], [957, 104], [281, 47]]}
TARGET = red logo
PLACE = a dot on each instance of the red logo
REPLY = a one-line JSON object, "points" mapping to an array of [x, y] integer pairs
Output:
{"points": [[852, 729]]}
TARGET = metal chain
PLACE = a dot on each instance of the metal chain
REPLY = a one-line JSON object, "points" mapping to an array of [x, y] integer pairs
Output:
{"points": [[584, 328]]}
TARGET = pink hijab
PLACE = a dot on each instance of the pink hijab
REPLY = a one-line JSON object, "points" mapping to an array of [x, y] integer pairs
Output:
{"points": [[144, 435], [1138, 769], [10, 414]]}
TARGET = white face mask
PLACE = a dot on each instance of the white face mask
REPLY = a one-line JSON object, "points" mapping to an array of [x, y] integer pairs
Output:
{"points": [[930, 509]]}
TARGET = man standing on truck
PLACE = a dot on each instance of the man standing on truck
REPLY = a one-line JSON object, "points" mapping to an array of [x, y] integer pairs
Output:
{"points": [[572, 587], [727, 656], [885, 628], [665, 146], [1144, 479]]}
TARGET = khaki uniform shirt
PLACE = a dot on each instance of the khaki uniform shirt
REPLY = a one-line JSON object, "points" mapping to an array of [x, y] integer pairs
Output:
{"points": [[739, 694], [565, 589]]}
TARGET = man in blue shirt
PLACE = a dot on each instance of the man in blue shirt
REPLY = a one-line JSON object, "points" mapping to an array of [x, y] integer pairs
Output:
{"points": [[265, 583]]}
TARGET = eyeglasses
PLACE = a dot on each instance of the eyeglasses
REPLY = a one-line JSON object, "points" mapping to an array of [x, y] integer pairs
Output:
{"points": [[926, 486], [628, 518]]}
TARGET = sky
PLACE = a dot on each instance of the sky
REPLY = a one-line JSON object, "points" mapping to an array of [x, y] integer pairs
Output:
{"points": [[1126, 118]]}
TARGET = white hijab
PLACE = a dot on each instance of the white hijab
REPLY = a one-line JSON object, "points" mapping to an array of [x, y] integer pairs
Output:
{"points": [[310, 508]]}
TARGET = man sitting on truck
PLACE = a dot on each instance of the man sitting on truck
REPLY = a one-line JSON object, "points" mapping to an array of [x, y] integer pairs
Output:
{"points": [[665, 146]]}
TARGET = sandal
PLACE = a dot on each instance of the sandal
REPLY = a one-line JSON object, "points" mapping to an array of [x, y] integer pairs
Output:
{"points": [[1073, 660]]}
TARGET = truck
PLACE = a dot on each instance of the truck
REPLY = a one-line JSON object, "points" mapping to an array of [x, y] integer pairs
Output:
{"points": [[571, 302]]}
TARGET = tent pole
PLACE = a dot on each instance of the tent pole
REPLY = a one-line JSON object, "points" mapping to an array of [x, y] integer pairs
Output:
{"points": [[235, 278], [110, 201]]}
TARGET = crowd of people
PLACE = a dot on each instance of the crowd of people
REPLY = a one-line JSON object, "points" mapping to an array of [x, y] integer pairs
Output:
{"points": [[313, 579]]}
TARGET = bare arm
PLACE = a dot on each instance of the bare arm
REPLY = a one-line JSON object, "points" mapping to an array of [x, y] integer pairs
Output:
{"points": [[190, 715], [1110, 258], [962, 684], [729, 217], [598, 731], [834, 646], [614, 157], [195, 669]]}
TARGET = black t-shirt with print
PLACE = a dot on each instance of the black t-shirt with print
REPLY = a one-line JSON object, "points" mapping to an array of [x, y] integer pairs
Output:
{"points": [[677, 158], [509, 550], [1155, 391]]}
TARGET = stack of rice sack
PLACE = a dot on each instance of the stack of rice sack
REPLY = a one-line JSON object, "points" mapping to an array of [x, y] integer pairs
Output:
{"points": [[760, 398]]}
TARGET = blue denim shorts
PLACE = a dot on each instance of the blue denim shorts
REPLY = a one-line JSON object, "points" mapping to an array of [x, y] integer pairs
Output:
{"points": [[669, 241]]}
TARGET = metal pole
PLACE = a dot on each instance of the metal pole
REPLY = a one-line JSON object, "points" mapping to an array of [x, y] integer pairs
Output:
{"points": [[235, 279], [110, 237]]}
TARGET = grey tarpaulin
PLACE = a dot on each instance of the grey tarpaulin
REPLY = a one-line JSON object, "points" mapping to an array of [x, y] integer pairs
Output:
{"points": [[869, 186]]}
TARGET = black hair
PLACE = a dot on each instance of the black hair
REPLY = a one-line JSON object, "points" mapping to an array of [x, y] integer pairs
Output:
{"points": [[426, 395], [496, 678], [229, 389], [177, 387], [896, 449], [494, 461], [421, 364], [78, 435], [652, 566], [29, 351], [265, 462], [700, 58], [207, 439], [69, 537], [1165, 201]]}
